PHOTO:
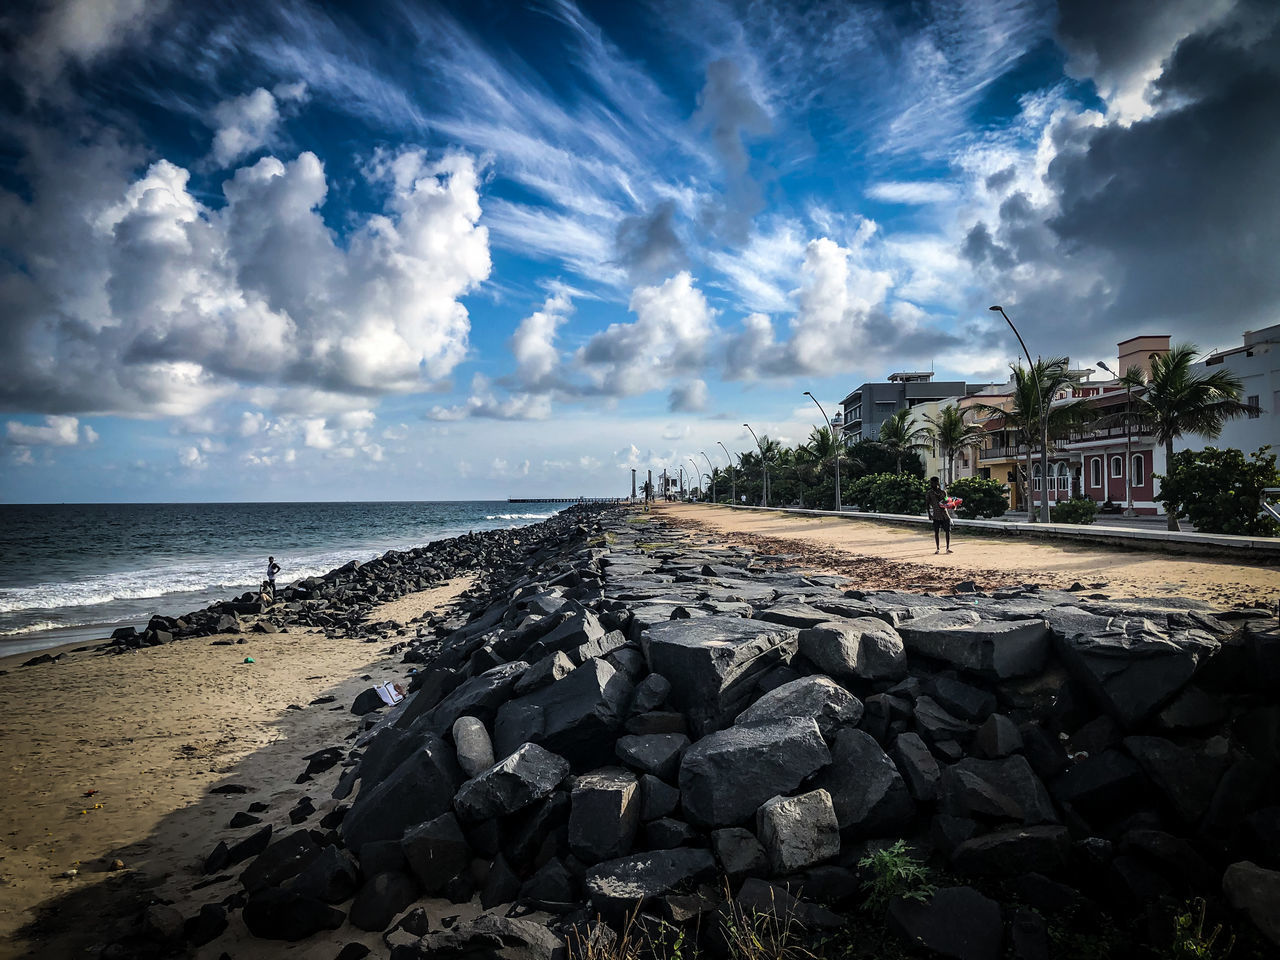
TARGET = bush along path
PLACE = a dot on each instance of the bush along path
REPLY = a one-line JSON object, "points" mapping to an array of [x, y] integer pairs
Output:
{"points": [[628, 740]]}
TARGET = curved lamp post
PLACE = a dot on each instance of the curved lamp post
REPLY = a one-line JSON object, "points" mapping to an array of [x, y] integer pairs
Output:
{"points": [[733, 477], [1128, 445], [697, 473], [835, 445], [712, 474], [1044, 426], [764, 469]]}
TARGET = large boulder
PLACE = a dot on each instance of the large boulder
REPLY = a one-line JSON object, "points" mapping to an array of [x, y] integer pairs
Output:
{"points": [[1187, 777], [725, 776], [739, 852], [475, 749], [819, 697], [617, 886], [713, 663], [1013, 852], [437, 852], [478, 697], [919, 768], [865, 648], [655, 753], [523, 778], [996, 790], [574, 717], [489, 936], [956, 922], [1255, 891], [419, 789], [997, 649], [604, 815], [867, 791], [798, 832], [275, 914], [1130, 667]]}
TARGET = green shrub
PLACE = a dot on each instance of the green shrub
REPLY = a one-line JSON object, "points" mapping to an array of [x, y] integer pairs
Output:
{"points": [[982, 498], [1218, 490], [858, 492], [893, 872], [1075, 510], [897, 493]]}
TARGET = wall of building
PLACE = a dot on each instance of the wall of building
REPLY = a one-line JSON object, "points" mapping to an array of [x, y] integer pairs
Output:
{"points": [[1257, 364]]}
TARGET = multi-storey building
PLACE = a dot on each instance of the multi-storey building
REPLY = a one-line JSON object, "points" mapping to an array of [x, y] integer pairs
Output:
{"points": [[1257, 364], [871, 404]]}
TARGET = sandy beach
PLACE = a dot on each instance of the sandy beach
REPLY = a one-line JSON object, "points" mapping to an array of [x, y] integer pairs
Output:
{"points": [[881, 555], [113, 757]]}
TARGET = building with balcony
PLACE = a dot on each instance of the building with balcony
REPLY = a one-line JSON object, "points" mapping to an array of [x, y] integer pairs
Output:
{"points": [[1257, 363], [871, 404]]}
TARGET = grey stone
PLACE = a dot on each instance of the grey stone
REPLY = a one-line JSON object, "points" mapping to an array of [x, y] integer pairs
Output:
{"points": [[330, 877], [997, 789], [1128, 665], [758, 897], [419, 789], [490, 936], [550, 884], [436, 852], [658, 754], [713, 663], [866, 648], [738, 852], [793, 614], [574, 717], [475, 749], [604, 815], [997, 649], [1255, 891], [478, 697], [651, 693], [667, 834], [963, 700], [917, 765], [510, 785], [867, 791], [997, 737], [617, 886], [657, 799], [280, 861], [1012, 852], [553, 667], [821, 698], [798, 832], [726, 775], [936, 724], [599, 647], [956, 922]]}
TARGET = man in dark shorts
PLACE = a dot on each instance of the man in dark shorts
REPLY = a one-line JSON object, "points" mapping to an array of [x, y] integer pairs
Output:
{"points": [[933, 498]]}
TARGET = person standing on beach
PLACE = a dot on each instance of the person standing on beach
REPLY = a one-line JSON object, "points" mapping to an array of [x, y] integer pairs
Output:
{"points": [[272, 569], [933, 501]]}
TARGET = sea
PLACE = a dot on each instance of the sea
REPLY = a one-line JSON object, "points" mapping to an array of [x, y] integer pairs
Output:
{"points": [[75, 572]]}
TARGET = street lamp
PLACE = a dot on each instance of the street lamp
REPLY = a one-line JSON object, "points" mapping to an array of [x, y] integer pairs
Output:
{"points": [[835, 445], [1044, 426], [764, 469], [733, 477], [697, 472], [712, 474], [1128, 445]]}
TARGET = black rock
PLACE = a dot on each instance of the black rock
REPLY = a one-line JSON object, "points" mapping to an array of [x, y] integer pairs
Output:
{"points": [[243, 819], [725, 776], [206, 925], [436, 852], [821, 698], [997, 649], [956, 922], [657, 754], [617, 886], [489, 937], [281, 860], [274, 914], [526, 776], [862, 648], [868, 793], [332, 877], [250, 846], [738, 852], [1007, 853], [657, 799], [381, 898], [997, 789], [604, 814], [917, 765], [420, 788]]}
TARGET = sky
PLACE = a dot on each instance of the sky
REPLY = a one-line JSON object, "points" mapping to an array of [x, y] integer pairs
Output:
{"points": [[474, 250]]}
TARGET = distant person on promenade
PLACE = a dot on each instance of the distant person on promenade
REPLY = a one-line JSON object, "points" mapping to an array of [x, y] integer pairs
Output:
{"points": [[933, 501]]}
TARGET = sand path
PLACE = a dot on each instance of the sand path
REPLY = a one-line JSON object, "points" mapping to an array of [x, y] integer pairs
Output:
{"points": [[881, 555], [150, 733]]}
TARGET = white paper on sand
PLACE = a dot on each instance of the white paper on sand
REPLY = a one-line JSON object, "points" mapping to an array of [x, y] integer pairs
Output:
{"points": [[387, 691]]}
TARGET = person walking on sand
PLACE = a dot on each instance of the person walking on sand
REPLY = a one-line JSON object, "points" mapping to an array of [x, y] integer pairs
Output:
{"points": [[933, 501]]}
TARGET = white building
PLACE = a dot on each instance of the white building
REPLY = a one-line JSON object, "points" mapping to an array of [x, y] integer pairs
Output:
{"points": [[1257, 364]]}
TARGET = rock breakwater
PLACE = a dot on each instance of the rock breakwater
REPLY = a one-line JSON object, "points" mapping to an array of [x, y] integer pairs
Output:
{"points": [[621, 720]]}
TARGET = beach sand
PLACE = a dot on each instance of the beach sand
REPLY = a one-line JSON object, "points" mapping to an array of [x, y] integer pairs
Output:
{"points": [[150, 733], [885, 556]]}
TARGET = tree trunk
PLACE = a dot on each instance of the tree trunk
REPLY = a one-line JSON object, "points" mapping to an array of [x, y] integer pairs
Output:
{"points": [[1172, 514]]}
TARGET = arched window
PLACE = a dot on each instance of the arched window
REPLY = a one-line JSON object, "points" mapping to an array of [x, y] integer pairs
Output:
{"points": [[1095, 472], [1117, 467], [1035, 477], [1138, 468], [1064, 477]]}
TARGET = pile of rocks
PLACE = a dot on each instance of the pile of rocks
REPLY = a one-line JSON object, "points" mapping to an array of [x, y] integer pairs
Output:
{"points": [[630, 720]]}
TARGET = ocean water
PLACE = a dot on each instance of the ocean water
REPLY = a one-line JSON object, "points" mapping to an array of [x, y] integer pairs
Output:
{"points": [[72, 572]]}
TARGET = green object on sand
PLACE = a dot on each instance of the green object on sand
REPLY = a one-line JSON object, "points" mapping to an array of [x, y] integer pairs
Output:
{"points": [[249, 660]]}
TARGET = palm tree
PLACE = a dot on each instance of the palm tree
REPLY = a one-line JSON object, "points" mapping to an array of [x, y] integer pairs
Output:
{"points": [[771, 451], [1176, 400], [899, 436], [952, 434], [1023, 414]]}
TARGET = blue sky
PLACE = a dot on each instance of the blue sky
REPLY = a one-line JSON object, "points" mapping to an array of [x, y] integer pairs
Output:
{"points": [[468, 250]]}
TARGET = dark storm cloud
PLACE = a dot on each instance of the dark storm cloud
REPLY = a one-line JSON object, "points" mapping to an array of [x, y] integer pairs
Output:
{"points": [[648, 246]]}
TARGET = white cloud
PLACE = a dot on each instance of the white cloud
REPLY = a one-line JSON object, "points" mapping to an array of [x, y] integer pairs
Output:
{"points": [[668, 338], [917, 192], [484, 403], [192, 458], [82, 31], [246, 124], [173, 304], [533, 343], [56, 432], [689, 397]]}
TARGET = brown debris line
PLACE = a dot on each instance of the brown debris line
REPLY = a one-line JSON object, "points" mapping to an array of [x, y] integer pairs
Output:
{"points": [[864, 572]]}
